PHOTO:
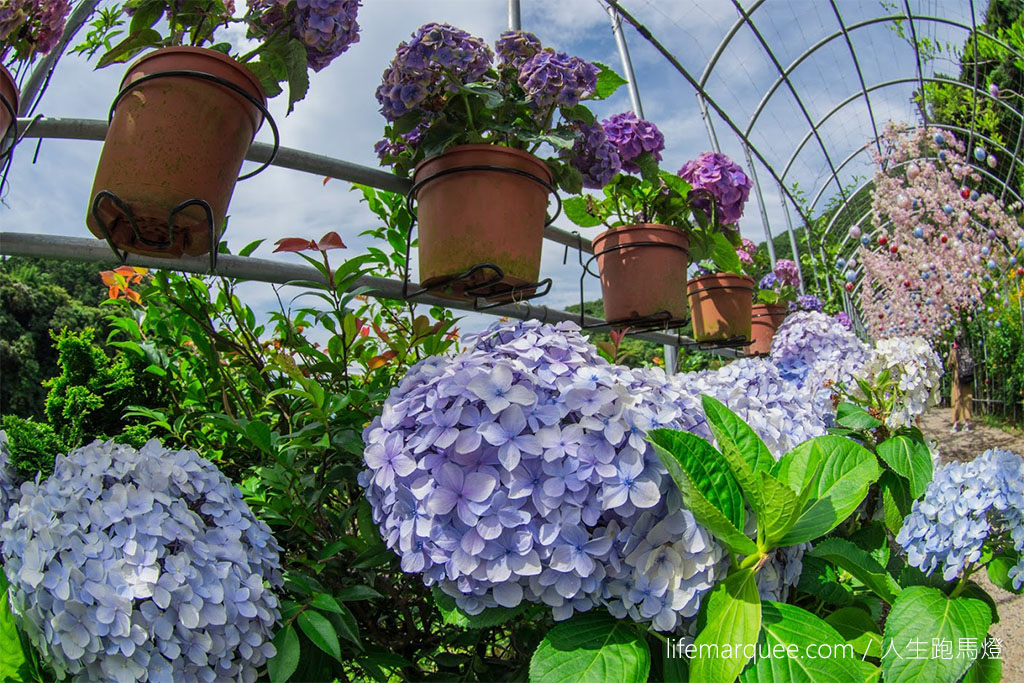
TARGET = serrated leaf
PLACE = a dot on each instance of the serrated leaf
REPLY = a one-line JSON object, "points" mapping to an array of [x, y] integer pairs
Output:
{"points": [[788, 629], [680, 452], [591, 647], [781, 506], [356, 593], [819, 579], [283, 664], [648, 166], [732, 432], [319, 630], [896, 500], [731, 615], [489, 617], [859, 564], [853, 416], [265, 73], [909, 459], [575, 209], [607, 82], [296, 65], [129, 47], [985, 669], [920, 616], [858, 629]]}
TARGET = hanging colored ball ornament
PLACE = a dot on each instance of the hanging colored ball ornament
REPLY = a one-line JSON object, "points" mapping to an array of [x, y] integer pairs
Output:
{"points": [[883, 240], [926, 275], [989, 309], [906, 283], [948, 209], [992, 161], [977, 258], [1020, 272], [894, 249], [855, 232], [993, 90], [998, 323], [915, 205], [980, 153], [852, 263], [865, 240], [938, 139], [943, 239], [849, 286], [959, 234], [903, 202], [913, 170], [919, 233], [942, 155], [1013, 260], [965, 192], [1020, 243], [840, 264], [851, 276], [974, 195], [991, 234], [985, 250], [992, 265]]}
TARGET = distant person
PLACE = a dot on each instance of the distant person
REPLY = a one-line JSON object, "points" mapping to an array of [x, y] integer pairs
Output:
{"points": [[961, 368]]}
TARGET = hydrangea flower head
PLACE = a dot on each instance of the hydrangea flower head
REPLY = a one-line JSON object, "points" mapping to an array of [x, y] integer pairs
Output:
{"points": [[594, 156], [787, 272], [142, 565], [327, 28], [552, 78], [515, 47], [31, 28], [916, 370], [810, 348], [843, 318], [724, 179], [769, 281], [965, 506], [632, 136], [9, 491], [806, 302]]}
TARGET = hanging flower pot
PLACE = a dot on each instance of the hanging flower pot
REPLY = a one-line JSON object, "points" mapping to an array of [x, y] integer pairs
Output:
{"points": [[8, 111], [642, 268], [469, 216], [720, 304], [765, 319], [175, 141]]}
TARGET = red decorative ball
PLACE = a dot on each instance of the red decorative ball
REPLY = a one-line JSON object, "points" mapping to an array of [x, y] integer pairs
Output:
{"points": [[894, 248], [882, 239], [1020, 272], [849, 286], [943, 239], [906, 283], [965, 193]]}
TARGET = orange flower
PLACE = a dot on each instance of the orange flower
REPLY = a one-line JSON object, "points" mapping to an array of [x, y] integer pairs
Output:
{"points": [[119, 281]]}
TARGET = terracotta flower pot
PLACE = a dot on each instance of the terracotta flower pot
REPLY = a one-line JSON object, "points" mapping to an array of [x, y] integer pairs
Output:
{"points": [[171, 140], [642, 271], [765, 319], [9, 93], [468, 218], [720, 304]]}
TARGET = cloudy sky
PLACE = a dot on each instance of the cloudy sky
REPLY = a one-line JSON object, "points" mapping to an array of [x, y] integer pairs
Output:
{"points": [[340, 116]]}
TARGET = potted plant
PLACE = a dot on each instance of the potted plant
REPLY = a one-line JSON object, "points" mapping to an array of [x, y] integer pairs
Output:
{"points": [[28, 29], [721, 295], [186, 114], [642, 256], [468, 128], [775, 292]]}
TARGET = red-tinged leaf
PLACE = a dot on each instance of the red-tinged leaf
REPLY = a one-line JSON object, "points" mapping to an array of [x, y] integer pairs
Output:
{"points": [[294, 244], [381, 360], [109, 278], [326, 178], [330, 241], [113, 292], [133, 296], [381, 333], [618, 335]]}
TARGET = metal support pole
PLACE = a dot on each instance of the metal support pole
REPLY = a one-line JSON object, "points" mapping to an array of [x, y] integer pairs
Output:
{"points": [[764, 210], [792, 241], [515, 22], [704, 114]]}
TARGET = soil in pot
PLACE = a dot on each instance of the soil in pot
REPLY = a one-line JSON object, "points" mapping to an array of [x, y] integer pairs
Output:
{"points": [[765, 320], [642, 270], [171, 140], [470, 217], [720, 304]]}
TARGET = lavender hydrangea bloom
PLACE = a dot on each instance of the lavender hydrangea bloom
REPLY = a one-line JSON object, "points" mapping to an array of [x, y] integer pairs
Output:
{"points": [[9, 491], [423, 69], [843, 318], [810, 349], [769, 281], [514, 48], [724, 179], [327, 28], [806, 302], [632, 136], [594, 156], [554, 78], [787, 272], [965, 505], [142, 565], [45, 19]]}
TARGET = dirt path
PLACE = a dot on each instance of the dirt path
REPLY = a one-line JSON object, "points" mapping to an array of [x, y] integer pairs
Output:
{"points": [[936, 424]]}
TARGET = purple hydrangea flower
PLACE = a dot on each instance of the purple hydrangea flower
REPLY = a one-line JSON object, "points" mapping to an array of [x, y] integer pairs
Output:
{"points": [[327, 28], [514, 48], [554, 78], [787, 272], [142, 565], [769, 281], [964, 505], [594, 156], [632, 136], [432, 64], [806, 302], [723, 179], [843, 318], [32, 27], [811, 348]]}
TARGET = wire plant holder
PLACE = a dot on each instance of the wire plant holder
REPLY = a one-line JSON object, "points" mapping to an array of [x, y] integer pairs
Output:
{"points": [[8, 141], [492, 291], [137, 237]]}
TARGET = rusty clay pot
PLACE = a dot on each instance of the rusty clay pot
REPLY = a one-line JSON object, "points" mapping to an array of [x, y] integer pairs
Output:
{"points": [[467, 218], [765, 320], [720, 304], [9, 93], [171, 140]]}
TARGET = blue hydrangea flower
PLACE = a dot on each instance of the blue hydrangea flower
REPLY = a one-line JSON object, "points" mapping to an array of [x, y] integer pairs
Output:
{"points": [[810, 349], [142, 565], [806, 302], [965, 505], [514, 48], [9, 481]]}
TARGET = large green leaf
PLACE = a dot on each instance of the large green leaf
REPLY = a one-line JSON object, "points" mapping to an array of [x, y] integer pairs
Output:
{"points": [[853, 416], [896, 500], [13, 662], [985, 669], [859, 564], [801, 648], [707, 486], [723, 254], [909, 459], [489, 617], [999, 570], [819, 578], [591, 647], [731, 615], [858, 629], [920, 617], [283, 664], [319, 630], [575, 209], [836, 473], [781, 506], [607, 82], [741, 447]]}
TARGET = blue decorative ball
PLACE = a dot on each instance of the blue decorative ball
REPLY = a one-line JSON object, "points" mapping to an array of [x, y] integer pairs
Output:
{"points": [[985, 250], [918, 233], [939, 139], [948, 209], [865, 240], [979, 153], [851, 276], [942, 155], [974, 195], [840, 264], [992, 265]]}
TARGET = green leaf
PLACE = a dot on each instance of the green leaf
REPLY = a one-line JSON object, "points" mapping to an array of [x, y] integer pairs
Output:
{"points": [[853, 416], [807, 647], [356, 593], [733, 433], [147, 13], [607, 82], [859, 564], [896, 500], [999, 571], [723, 255], [575, 209], [592, 647], [283, 664], [296, 65], [920, 616], [648, 166], [129, 47], [858, 629], [836, 472], [675, 183], [820, 579], [319, 630], [492, 98], [579, 113], [706, 485], [489, 617], [265, 74], [259, 434], [781, 505], [731, 615], [325, 602], [909, 459], [248, 249], [985, 669]]}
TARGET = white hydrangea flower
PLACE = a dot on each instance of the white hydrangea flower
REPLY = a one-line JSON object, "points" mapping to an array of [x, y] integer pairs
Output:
{"points": [[131, 565], [915, 371]]}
